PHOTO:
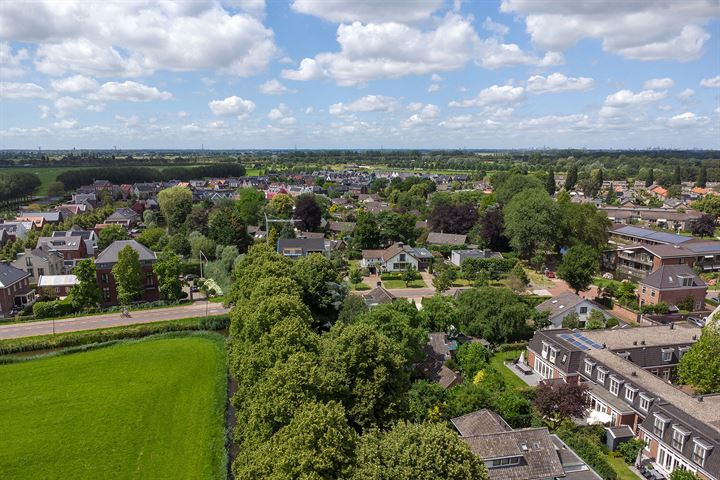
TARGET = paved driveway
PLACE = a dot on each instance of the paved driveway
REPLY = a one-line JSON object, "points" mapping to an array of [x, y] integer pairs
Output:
{"points": [[45, 327]]}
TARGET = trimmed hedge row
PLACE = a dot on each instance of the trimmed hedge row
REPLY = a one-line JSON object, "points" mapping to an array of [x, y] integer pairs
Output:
{"points": [[506, 347], [590, 450], [72, 339], [53, 308]]}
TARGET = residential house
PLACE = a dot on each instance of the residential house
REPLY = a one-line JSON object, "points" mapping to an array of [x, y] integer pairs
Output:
{"points": [[396, 258], [39, 261], [629, 374], [673, 284], [438, 350], [40, 219], [562, 305], [639, 260], [88, 236], [107, 259], [16, 230], [435, 238], [15, 291], [522, 454], [457, 257], [378, 296], [126, 217], [625, 234], [56, 286], [72, 248], [301, 247]]}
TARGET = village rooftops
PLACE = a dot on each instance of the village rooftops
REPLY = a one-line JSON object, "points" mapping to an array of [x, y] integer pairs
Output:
{"points": [[562, 303], [480, 422], [110, 254], [436, 238], [10, 275], [649, 235]]}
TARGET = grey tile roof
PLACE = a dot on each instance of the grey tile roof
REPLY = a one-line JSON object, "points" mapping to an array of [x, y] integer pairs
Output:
{"points": [[539, 459], [435, 238], [110, 254], [10, 275], [306, 244], [669, 276], [480, 422], [378, 296]]}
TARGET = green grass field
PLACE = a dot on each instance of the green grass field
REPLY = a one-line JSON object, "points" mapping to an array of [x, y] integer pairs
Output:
{"points": [[46, 174], [145, 409]]}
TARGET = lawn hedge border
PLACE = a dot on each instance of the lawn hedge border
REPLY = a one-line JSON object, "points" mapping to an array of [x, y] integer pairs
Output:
{"points": [[103, 335]]}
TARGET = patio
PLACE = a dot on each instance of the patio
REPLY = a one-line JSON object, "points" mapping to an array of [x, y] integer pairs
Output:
{"points": [[524, 373]]}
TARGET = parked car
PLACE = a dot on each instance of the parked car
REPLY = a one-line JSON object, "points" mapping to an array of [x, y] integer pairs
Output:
{"points": [[189, 277], [697, 321], [194, 288], [549, 274]]}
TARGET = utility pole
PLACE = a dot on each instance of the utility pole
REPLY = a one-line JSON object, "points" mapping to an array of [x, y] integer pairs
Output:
{"points": [[269, 220]]}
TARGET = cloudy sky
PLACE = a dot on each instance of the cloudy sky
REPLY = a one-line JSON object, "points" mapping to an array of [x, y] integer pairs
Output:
{"points": [[360, 74]]}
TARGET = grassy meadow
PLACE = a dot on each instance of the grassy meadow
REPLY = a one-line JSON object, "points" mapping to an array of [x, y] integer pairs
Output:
{"points": [[152, 408]]}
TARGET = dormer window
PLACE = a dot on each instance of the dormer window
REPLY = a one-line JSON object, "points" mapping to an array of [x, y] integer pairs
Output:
{"points": [[679, 436], [601, 372], [630, 392], [645, 402], [700, 451], [589, 367], [615, 385], [553, 354], [504, 462], [682, 351], [659, 425], [667, 354], [545, 350]]}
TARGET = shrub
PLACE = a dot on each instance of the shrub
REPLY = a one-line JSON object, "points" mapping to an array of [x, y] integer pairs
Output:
{"points": [[52, 309], [391, 276], [571, 320], [590, 450], [629, 450], [506, 347]]}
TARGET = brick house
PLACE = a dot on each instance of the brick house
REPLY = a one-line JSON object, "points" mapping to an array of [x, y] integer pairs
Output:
{"points": [[38, 262], [629, 373], [15, 291], [396, 258], [672, 284], [107, 259]]}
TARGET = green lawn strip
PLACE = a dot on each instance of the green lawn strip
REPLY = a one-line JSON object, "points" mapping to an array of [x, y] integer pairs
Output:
{"points": [[461, 282], [152, 408], [497, 362], [390, 284], [85, 337], [360, 286], [621, 468]]}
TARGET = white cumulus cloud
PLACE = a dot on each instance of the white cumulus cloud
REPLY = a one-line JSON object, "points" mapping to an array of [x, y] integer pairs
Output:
{"points": [[75, 84], [273, 87], [17, 90], [232, 106], [367, 11], [658, 83], [495, 94], [368, 103], [713, 82], [129, 91], [557, 82]]}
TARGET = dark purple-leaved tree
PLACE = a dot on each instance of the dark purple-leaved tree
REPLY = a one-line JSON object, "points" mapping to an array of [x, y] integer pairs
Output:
{"points": [[559, 401]]}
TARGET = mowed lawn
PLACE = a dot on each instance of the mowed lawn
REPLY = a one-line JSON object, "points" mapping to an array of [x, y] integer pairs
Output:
{"points": [[147, 409]]}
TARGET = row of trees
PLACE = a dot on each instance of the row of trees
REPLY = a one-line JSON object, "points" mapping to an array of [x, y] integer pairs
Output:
{"points": [[334, 404], [15, 186]]}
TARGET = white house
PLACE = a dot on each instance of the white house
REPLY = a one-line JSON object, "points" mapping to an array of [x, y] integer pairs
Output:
{"points": [[459, 256], [565, 303], [396, 258]]}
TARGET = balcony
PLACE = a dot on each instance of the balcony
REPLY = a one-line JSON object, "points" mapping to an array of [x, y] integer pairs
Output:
{"points": [[642, 259]]}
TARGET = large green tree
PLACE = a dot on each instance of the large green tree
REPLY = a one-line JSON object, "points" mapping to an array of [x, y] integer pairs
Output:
{"points": [[307, 213], [578, 267], [226, 227], [314, 273], [175, 205], [110, 234], [249, 205], [496, 314], [531, 221], [366, 233], [700, 365], [515, 184], [168, 269], [410, 451], [281, 206], [85, 293], [129, 278]]}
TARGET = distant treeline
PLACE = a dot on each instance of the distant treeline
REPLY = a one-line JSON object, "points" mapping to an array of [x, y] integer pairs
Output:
{"points": [[119, 175], [17, 185]]}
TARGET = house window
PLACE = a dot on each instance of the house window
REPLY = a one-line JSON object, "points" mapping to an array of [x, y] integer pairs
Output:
{"points": [[553, 355], [104, 278], [149, 279], [667, 354], [614, 386], [644, 289], [545, 350], [504, 462], [682, 350], [583, 310], [698, 454], [402, 257], [28, 261], [106, 293], [666, 374], [588, 368], [630, 393], [678, 439], [652, 293], [644, 403], [601, 375], [659, 426], [41, 271]]}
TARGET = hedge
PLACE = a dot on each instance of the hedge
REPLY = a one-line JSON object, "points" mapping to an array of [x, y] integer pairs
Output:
{"points": [[506, 347], [391, 276], [590, 450], [86, 337], [495, 267], [53, 308]]}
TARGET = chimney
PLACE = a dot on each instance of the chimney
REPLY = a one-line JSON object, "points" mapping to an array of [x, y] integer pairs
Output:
{"points": [[672, 326], [379, 284], [634, 342], [642, 342], [700, 398], [694, 337]]}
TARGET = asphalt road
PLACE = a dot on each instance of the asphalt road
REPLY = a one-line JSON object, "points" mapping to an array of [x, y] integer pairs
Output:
{"points": [[45, 327]]}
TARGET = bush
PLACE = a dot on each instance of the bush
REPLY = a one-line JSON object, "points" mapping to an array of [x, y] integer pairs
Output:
{"points": [[629, 450], [52, 309], [391, 276], [506, 347], [72, 339], [496, 267], [590, 450]]}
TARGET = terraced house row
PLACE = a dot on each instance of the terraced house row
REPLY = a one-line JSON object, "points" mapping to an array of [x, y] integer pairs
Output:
{"points": [[630, 374]]}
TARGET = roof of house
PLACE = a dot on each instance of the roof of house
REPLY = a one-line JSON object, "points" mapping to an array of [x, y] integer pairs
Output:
{"points": [[60, 243], [341, 226], [477, 253], [480, 422], [110, 254], [57, 280], [122, 214], [436, 238], [378, 296], [651, 235], [534, 445], [561, 303], [307, 244], [10, 275], [670, 276]]}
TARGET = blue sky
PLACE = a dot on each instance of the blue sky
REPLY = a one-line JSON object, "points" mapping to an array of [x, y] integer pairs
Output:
{"points": [[360, 74]]}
